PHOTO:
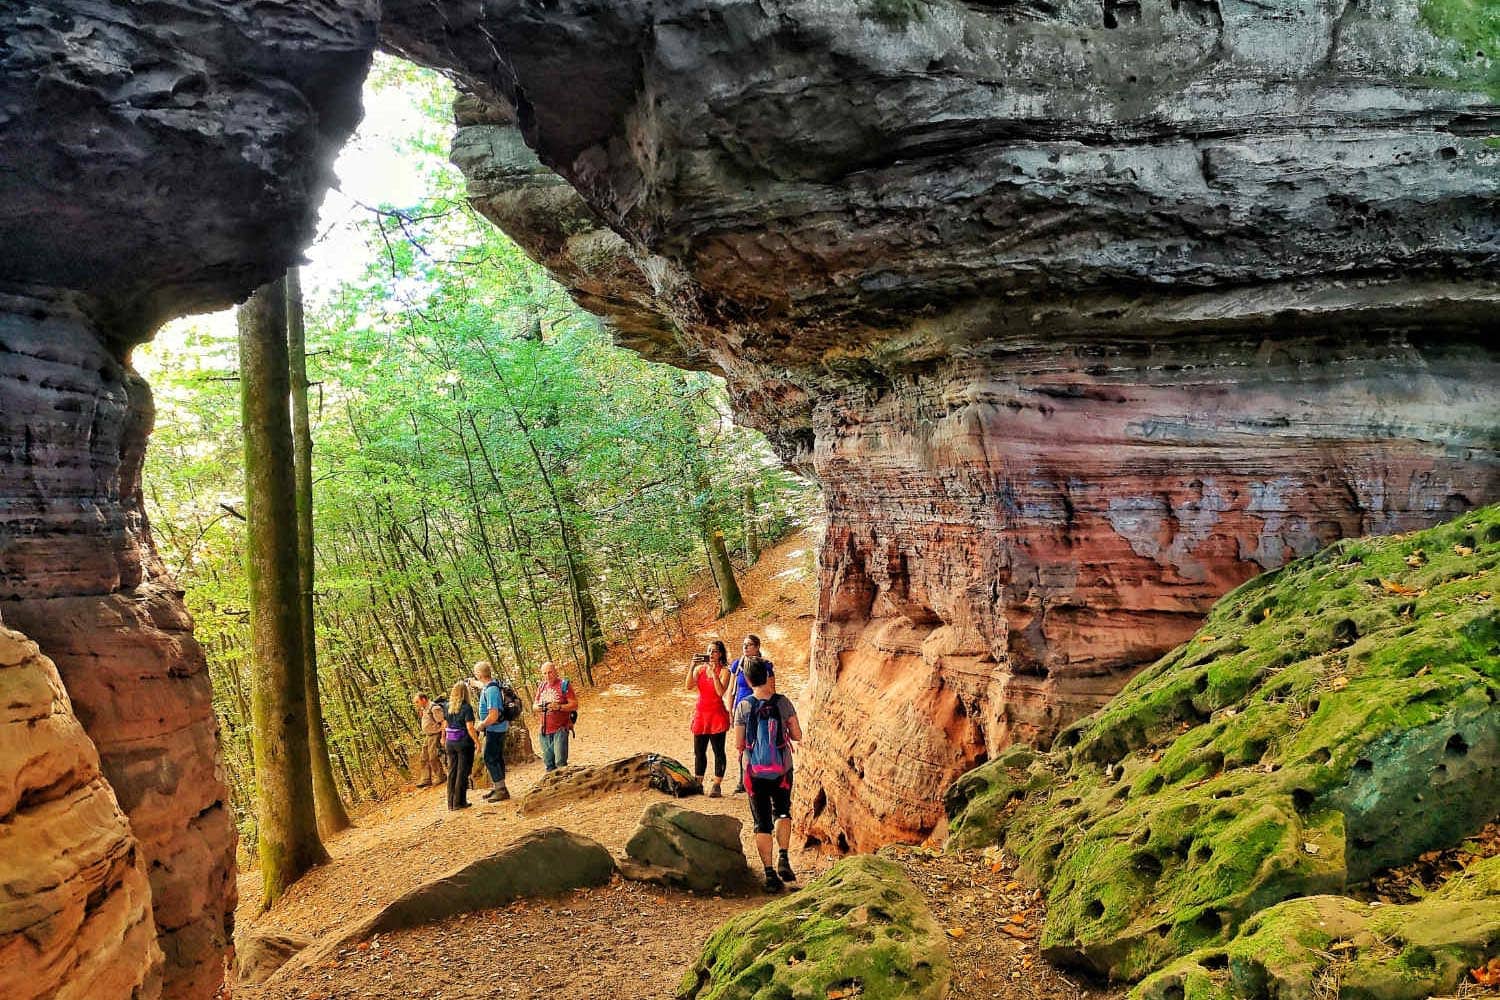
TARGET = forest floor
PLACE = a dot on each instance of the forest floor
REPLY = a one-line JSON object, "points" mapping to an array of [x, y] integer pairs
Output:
{"points": [[628, 939]]}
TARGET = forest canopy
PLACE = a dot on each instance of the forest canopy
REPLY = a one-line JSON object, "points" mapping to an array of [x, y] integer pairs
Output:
{"points": [[492, 477]]}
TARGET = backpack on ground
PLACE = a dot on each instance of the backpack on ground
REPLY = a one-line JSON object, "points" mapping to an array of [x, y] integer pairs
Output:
{"points": [[671, 777], [768, 752]]}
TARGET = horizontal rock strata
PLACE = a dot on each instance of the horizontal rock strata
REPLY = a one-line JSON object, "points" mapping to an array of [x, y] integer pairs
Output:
{"points": [[1081, 313], [75, 906], [154, 160], [80, 576]]}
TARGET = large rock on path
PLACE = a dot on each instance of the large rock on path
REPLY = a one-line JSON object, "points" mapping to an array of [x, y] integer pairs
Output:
{"points": [[541, 863], [861, 929], [690, 850], [573, 784], [1331, 720]]}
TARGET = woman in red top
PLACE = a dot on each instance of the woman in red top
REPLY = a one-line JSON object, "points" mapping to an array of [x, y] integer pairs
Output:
{"points": [[710, 674]]}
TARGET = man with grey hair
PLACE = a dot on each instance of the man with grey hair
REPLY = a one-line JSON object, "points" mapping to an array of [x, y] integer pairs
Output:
{"points": [[492, 724]]}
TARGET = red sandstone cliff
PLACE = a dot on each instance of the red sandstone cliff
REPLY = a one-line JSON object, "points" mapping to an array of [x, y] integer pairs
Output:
{"points": [[1079, 312], [75, 906]]}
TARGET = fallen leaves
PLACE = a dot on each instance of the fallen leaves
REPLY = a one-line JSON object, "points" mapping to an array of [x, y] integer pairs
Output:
{"points": [[1417, 558], [1392, 587], [956, 933], [1487, 974], [844, 992], [1463, 551]]}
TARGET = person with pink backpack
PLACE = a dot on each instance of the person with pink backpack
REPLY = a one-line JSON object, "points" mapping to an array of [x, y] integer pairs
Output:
{"points": [[765, 727]]}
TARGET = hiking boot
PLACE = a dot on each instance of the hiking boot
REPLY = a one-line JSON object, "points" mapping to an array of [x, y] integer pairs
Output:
{"points": [[716, 792], [501, 794], [773, 883], [737, 790], [784, 869], [492, 795]]}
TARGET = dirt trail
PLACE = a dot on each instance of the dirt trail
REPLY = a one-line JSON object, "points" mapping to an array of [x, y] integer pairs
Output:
{"points": [[624, 940]]}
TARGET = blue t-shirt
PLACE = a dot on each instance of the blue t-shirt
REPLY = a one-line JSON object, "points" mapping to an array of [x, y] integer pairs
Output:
{"points": [[742, 683], [490, 698]]}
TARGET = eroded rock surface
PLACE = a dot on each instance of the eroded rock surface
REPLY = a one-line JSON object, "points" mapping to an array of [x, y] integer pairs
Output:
{"points": [[1331, 720], [860, 929], [154, 159], [75, 906], [1309, 948], [691, 850], [82, 579], [1082, 313]]}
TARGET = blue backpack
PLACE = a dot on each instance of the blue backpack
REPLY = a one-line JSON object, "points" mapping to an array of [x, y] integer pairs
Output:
{"points": [[768, 752]]}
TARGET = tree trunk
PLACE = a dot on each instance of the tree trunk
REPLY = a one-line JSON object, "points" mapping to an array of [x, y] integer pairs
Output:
{"points": [[723, 572], [332, 817], [752, 540], [287, 820]]}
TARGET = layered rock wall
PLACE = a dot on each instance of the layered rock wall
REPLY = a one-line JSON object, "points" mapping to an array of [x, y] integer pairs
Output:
{"points": [[155, 159], [1008, 542], [1081, 313], [75, 905], [81, 578]]}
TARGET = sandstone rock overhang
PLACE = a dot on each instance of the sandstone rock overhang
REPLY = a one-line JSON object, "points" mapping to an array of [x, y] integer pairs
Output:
{"points": [[1081, 312]]}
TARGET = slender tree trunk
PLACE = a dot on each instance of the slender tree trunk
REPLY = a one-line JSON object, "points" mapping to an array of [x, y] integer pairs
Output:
{"points": [[287, 819], [723, 572], [752, 539], [332, 817]]}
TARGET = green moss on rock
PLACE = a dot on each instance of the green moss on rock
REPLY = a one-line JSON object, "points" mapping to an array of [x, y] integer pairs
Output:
{"points": [[862, 926], [978, 799], [1473, 29], [1334, 946], [1330, 720]]}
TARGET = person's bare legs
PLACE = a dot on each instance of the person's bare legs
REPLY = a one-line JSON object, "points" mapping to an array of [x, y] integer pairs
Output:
{"points": [[763, 846]]}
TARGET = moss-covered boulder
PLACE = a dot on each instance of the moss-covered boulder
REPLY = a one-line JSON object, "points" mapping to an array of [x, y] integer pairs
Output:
{"points": [[1334, 946], [1331, 719], [861, 929]]}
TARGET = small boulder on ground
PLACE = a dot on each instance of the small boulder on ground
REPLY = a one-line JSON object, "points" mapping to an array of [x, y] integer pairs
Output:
{"points": [[258, 955], [573, 784], [862, 929], [540, 863], [690, 850]]}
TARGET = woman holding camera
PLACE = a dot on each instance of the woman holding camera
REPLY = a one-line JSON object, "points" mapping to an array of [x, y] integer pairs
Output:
{"points": [[710, 674]]}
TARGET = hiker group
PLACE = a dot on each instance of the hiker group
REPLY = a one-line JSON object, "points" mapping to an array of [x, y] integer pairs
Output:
{"points": [[742, 695], [739, 695], [480, 711]]}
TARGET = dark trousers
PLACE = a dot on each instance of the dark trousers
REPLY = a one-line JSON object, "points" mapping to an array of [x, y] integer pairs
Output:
{"points": [[461, 762], [494, 757], [701, 743]]}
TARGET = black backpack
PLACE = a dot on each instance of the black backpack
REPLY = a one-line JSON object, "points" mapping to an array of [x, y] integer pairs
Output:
{"points": [[510, 703]]}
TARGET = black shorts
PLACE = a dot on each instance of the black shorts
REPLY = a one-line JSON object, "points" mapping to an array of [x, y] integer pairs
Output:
{"points": [[770, 800]]}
